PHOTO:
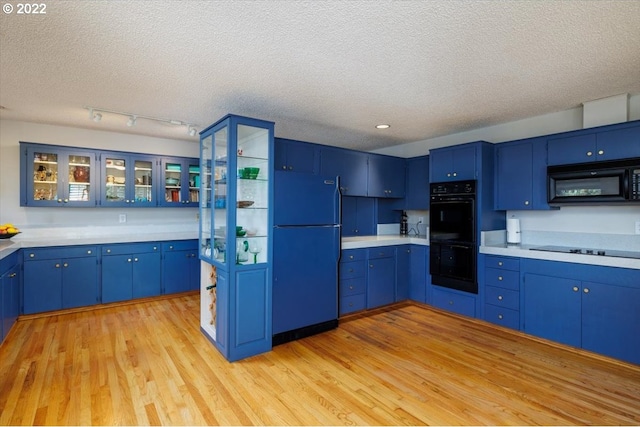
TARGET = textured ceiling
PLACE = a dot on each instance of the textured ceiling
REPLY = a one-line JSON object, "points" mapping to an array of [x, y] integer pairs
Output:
{"points": [[324, 71]]}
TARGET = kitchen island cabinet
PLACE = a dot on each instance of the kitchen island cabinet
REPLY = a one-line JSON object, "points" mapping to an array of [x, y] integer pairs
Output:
{"points": [[592, 307], [130, 271], [59, 277]]}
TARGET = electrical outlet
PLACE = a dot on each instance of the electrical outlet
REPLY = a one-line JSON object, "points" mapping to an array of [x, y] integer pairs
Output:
{"points": [[122, 218], [637, 227]]}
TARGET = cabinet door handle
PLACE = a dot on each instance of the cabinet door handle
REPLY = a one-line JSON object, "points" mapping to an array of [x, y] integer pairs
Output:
{"points": [[601, 152], [455, 174], [89, 252], [500, 263], [500, 316], [65, 265], [575, 289], [585, 290], [155, 248], [59, 200], [350, 256], [589, 154], [66, 200], [135, 260], [128, 259], [290, 168], [32, 255], [526, 203], [499, 297], [350, 287], [500, 278], [450, 302], [171, 247], [448, 175], [284, 167], [370, 265], [57, 265]]}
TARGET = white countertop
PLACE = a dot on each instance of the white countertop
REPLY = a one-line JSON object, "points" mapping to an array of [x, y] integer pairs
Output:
{"points": [[359, 242]]}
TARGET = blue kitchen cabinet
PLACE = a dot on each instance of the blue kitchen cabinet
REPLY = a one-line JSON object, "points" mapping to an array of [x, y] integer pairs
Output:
{"points": [[381, 276], [597, 144], [412, 272], [131, 270], [358, 216], [457, 163], [128, 179], [296, 156], [57, 176], [500, 280], [180, 266], [236, 233], [521, 175], [403, 271], [351, 166], [352, 281], [417, 184], [9, 293], [180, 182], [59, 277], [593, 307], [453, 300], [386, 176]]}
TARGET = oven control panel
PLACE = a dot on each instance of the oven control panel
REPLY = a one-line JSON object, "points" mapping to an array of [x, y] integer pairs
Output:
{"points": [[449, 188]]}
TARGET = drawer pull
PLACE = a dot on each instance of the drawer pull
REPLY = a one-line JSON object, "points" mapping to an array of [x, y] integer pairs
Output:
{"points": [[351, 287], [135, 260], [500, 263], [65, 265], [89, 251], [128, 259], [350, 256], [575, 289], [601, 152], [108, 251], [32, 255], [500, 278], [57, 265], [585, 290], [500, 316], [499, 297]]}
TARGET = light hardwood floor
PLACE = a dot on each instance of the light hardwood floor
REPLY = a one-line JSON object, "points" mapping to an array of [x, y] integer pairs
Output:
{"points": [[148, 364]]}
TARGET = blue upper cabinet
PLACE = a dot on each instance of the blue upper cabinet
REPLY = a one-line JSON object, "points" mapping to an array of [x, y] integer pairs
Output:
{"points": [[129, 179], [457, 163], [386, 176], [350, 165], [598, 144], [57, 176], [296, 156], [417, 183], [358, 216], [180, 180], [521, 175]]}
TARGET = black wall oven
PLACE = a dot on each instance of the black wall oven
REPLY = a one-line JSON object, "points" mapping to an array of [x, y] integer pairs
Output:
{"points": [[452, 235]]}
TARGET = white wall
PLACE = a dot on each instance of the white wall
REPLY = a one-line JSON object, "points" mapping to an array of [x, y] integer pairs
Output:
{"points": [[11, 132], [583, 219]]}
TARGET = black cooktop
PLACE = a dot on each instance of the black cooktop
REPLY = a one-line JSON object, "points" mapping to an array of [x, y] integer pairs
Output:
{"points": [[583, 251]]}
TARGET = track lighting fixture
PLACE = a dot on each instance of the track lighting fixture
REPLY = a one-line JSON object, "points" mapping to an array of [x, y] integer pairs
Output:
{"points": [[95, 114]]}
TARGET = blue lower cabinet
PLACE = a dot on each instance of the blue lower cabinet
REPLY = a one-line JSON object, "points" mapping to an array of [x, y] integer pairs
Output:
{"points": [[419, 278], [59, 277], [381, 280], [352, 281], [131, 271], [454, 301], [591, 307], [9, 293], [180, 266]]}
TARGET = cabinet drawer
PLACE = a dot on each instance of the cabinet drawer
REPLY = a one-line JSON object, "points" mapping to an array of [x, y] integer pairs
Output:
{"points": [[352, 286], [350, 270], [502, 297], [502, 316], [59, 252], [353, 255], [180, 245], [506, 263], [123, 249], [508, 279], [457, 303], [352, 303], [382, 252]]}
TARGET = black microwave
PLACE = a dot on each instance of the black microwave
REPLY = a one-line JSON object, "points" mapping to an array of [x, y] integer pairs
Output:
{"points": [[616, 181]]}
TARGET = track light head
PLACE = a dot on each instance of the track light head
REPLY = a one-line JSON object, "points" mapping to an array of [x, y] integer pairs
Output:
{"points": [[132, 121], [192, 131], [97, 117]]}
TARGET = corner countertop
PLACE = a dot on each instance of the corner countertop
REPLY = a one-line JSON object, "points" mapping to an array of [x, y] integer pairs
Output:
{"points": [[360, 242]]}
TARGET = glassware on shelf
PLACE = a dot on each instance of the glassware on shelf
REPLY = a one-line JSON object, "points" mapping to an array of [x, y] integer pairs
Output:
{"points": [[255, 249]]}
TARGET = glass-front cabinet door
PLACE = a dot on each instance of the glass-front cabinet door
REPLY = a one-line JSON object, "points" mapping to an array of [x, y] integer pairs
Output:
{"points": [[58, 177], [128, 180], [181, 182], [236, 221]]}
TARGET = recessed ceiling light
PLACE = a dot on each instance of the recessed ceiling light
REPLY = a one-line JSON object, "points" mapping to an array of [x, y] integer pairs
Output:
{"points": [[383, 126]]}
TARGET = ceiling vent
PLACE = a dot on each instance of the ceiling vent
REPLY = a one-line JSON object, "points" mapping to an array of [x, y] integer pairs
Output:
{"points": [[605, 111]]}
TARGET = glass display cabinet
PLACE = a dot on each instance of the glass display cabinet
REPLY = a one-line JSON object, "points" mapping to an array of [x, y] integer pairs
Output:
{"points": [[129, 180], [58, 177], [236, 220], [180, 181]]}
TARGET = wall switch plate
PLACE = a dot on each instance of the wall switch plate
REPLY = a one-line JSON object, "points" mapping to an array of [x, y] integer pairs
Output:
{"points": [[637, 227], [122, 218]]}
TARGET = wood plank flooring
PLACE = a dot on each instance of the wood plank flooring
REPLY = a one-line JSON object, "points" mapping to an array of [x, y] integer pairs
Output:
{"points": [[148, 364]]}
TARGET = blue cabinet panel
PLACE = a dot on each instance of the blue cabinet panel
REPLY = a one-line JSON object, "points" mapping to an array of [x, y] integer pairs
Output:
{"points": [[80, 282], [296, 156], [419, 274], [116, 278], [350, 165], [358, 216], [131, 271], [572, 149], [502, 297], [251, 309], [179, 182], [352, 303], [552, 308], [403, 271], [502, 316], [386, 176], [610, 319], [454, 301], [618, 143], [417, 184], [180, 266], [9, 299], [146, 270], [42, 286], [381, 277], [456, 163]]}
